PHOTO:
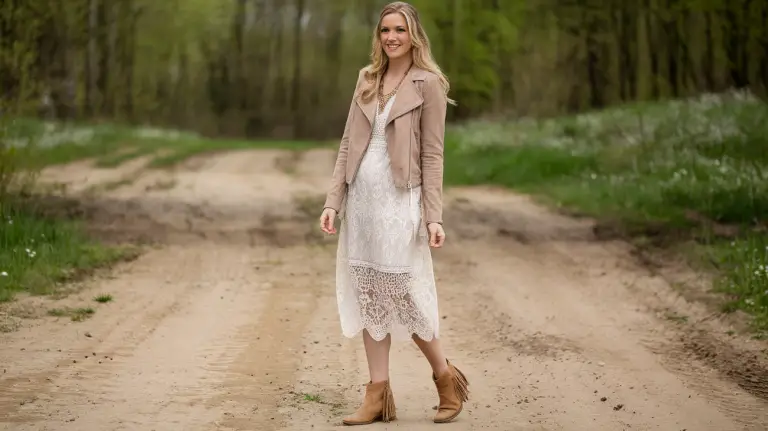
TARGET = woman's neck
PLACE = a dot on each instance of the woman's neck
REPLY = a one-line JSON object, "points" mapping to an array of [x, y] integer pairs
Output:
{"points": [[400, 66]]}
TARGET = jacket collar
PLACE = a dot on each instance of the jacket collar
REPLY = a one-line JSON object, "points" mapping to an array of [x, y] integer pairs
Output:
{"points": [[408, 97]]}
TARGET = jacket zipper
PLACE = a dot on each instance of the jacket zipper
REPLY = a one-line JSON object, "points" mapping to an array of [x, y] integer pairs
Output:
{"points": [[409, 184]]}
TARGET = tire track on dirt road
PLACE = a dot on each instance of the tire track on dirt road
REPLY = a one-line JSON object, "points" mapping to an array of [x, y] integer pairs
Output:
{"points": [[228, 322], [157, 363]]}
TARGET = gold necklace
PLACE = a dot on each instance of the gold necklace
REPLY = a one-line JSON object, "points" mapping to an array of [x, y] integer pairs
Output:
{"points": [[384, 98]]}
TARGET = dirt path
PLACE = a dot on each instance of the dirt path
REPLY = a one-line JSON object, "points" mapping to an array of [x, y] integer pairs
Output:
{"points": [[228, 321]]}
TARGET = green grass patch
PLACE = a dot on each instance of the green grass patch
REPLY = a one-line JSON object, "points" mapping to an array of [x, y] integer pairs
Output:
{"points": [[76, 314], [38, 252], [682, 170], [744, 263], [312, 398], [103, 298]]}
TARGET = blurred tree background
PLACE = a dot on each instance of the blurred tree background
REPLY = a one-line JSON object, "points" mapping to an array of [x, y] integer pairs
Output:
{"points": [[285, 68]]}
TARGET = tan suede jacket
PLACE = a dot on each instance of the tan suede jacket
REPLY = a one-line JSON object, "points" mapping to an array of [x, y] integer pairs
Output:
{"points": [[415, 133]]}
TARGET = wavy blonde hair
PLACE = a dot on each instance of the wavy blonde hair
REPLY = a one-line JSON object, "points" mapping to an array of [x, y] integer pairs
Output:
{"points": [[421, 51]]}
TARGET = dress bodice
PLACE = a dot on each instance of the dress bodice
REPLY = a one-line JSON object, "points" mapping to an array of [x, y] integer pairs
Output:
{"points": [[378, 137]]}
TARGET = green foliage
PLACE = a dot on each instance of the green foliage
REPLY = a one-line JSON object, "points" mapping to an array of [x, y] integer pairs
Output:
{"points": [[9, 169], [526, 166], [265, 69], [37, 252], [471, 39], [691, 169], [745, 282]]}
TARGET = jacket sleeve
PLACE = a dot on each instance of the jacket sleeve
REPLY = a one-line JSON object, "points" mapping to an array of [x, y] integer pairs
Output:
{"points": [[338, 186], [432, 146]]}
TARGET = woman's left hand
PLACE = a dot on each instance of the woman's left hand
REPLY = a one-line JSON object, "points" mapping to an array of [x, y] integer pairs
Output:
{"points": [[436, 235]]}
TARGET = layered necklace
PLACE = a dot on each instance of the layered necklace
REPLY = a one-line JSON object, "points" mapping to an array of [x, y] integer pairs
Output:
{"points": [[384, 98]]}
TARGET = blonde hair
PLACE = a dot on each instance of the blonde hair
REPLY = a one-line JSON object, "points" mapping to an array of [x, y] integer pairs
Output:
{"points": [[420, 51]]}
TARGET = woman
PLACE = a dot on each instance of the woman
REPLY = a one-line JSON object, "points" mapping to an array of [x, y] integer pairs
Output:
{"points": [[390, 161]]}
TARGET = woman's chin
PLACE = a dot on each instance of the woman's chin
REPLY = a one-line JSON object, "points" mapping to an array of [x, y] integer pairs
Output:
{"points": [[396, 55]]}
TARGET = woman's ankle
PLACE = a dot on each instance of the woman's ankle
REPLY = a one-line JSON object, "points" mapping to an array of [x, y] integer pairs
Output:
{"points": [[379, 379], [440, 369]]}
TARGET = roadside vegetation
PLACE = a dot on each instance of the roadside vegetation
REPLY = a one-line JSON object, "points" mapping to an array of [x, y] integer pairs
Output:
{"points": [[38, 249], [690, 173]]}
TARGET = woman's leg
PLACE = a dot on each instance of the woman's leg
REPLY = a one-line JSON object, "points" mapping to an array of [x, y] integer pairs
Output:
{"points": [[450, 382], [377, 353], [433, 351]]}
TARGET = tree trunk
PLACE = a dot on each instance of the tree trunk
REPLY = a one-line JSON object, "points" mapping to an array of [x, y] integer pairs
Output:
{"points": [[596, 96], [673, 44], [733, 47], [296, 110], [709, 55], [764, 57], [92, 60], [239, 92], [128, 57], [333, 51], [652, 50], [105, 22]]}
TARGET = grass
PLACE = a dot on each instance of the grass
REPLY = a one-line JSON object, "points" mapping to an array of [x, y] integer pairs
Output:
{"points": [[680, 171], [312, 398], [75, 314], [335, 407], [103, 298], [39, 252]]}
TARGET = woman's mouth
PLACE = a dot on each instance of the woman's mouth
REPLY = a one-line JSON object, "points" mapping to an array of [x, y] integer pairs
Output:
{"points": [[392, 47]]}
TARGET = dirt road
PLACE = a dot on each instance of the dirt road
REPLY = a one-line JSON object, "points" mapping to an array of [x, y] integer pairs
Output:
{"points": [[228, 320]]}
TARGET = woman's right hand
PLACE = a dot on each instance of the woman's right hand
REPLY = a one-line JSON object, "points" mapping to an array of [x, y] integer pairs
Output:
{"points": [[327, 221]]}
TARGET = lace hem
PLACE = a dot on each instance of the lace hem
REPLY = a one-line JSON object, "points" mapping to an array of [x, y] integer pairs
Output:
{"points": [[386, 302]]}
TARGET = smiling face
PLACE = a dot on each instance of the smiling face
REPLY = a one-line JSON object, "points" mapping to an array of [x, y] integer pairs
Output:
{"points": [[394, 36]]}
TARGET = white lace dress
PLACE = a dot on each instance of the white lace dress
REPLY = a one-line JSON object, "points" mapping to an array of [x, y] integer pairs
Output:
{"points": [[384, 277]]}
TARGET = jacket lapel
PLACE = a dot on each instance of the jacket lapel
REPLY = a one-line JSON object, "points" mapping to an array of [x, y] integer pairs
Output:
{"points": [[408, 97], [368, 108]]}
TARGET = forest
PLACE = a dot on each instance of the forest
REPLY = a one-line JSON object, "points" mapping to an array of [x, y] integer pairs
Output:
{"points": [[285, 68]]}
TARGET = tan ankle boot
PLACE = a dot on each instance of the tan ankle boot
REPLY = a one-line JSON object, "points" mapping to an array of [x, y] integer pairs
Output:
{"points": [[378, 404], [452, 388]]}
